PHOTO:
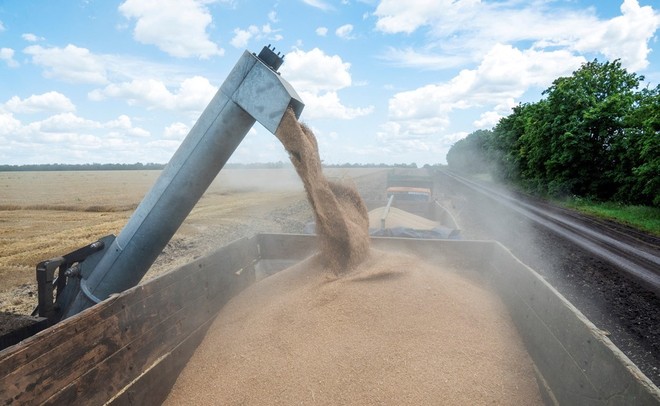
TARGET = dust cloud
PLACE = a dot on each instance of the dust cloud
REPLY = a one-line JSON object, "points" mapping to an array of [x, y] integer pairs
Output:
{"points": [[483, 217], [256, 180]]}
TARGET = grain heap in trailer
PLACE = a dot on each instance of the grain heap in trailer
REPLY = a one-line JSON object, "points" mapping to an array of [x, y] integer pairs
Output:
{"points": [[345, 319]]}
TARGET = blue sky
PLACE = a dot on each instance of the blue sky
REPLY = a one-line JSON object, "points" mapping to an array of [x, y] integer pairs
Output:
{"points": [[383, 80]]}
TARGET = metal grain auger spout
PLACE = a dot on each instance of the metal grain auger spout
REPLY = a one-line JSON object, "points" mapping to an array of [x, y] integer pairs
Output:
{"points": [[253, 91]]}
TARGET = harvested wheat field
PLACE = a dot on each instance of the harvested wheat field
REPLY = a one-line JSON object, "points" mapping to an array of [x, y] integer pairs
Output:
{"points": [[48, 214]]}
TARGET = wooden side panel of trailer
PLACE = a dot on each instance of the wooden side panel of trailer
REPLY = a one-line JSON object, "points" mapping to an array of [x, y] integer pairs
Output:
{"points": [[111, 351]]}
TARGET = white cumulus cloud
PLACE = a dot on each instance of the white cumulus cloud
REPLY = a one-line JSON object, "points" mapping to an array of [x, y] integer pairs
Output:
{"points": [[320, 4], [75, 64], [625, 37], [177, 27], [76, 131], [78, 139], [242, 37], [428, 60], [192, 95], [176, 131], [488, 120], [8, 124], [345, 31], [467, 29], [327, 104], [321, 31], [50, 101], [398, 16], [504, 75], [318, 77], [71, 64], [7, 55], [29, 37], [123, 125], [315, 71], [65, 123]]}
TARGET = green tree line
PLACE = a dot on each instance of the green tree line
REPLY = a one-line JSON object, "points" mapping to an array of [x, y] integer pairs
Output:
{"points": [[595, 134], [157, 166], [81, 167]]}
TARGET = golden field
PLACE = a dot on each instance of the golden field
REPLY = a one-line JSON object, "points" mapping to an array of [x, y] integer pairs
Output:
{"points": [[48, 214]]}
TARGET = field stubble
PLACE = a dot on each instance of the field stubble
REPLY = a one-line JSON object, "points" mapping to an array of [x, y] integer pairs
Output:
{"points": [[48, 214]]}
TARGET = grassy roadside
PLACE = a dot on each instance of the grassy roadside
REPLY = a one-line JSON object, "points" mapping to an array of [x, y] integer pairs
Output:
{"points": [[642, 217]]}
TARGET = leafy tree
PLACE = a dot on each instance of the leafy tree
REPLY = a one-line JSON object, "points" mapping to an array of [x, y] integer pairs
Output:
{"points": [[594, 135], [638, 170], [525, 137], [586, 117]]}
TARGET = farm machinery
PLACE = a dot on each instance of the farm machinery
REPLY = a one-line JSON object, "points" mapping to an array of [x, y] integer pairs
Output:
{"points": [[252, 92], [411, 203], [106, 339], [408, 209]]}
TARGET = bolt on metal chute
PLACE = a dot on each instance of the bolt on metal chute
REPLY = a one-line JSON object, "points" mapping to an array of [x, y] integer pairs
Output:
{"points": [[253, 91]]}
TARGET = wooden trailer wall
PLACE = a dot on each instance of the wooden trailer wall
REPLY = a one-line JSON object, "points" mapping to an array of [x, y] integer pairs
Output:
{"points": [[130, 348]]}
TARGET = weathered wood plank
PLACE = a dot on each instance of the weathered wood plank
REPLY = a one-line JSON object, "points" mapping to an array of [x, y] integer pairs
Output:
{"points": [[94, 342], [34, 347], [185, 313], [44, 342], [111, 375], [157, 381], [106, 378], [113, 324], [43, 376]]}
